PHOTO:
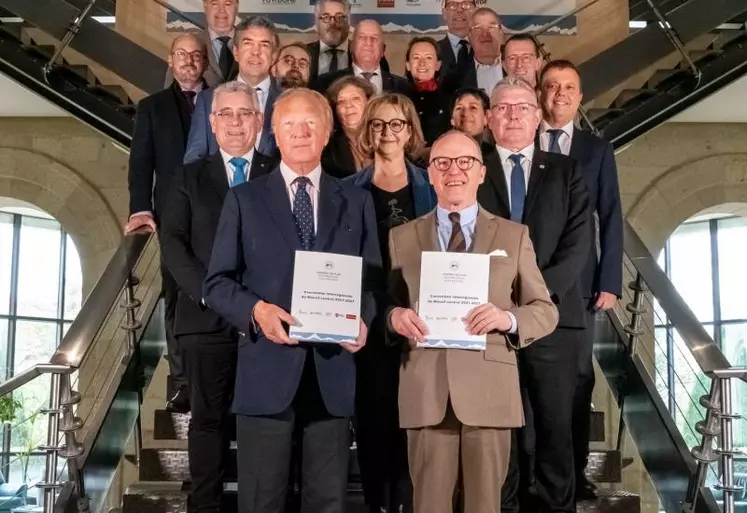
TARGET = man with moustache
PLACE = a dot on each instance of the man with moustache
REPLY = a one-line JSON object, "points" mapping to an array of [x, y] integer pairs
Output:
{"points": [[158, 143], [291, 69], [282, 385], [208, 342], [368, 54], [547, 192], [458, 405], [256, 44], [601, 279], [485, 38], [521, 57], [220, 16]]}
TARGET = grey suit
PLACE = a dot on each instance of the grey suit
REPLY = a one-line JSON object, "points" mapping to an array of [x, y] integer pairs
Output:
{"points": [[213, 75]]}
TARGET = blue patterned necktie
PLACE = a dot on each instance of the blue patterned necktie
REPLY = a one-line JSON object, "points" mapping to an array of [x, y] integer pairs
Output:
{"points": [[239, 170], [303, 213], [518, 189], [554, 146]]}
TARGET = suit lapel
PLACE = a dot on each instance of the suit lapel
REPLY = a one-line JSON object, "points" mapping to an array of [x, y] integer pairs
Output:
{"points": [[426, 229], [536, 176], [260, 166], [277, 203], [314, 51], [178, 108], [267, 136], [212, 60], [386, 82], [330, 205], [497, 177], [218, 175], [485, 232]]}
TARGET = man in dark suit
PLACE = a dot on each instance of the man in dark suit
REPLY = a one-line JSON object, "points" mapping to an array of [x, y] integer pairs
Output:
{"points": [[256, 44], [208, 342], [283, 385], [601, 280], [368, 62], [484, 70], [158, 143], [454, 48], [547, 192]]}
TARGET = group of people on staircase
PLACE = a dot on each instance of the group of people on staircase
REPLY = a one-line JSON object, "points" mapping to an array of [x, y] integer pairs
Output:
{"points": [[254, 151]]}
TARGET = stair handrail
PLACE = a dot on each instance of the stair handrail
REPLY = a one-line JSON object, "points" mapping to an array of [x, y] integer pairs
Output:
{"points": [[71, 32]]}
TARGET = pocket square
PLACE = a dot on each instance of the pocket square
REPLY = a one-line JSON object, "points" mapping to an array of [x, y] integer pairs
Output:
{"points": [[499, 253]]}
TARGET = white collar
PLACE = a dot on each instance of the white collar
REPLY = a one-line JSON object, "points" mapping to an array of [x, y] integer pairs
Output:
{"points": [[357, 71], [497, 62], [323, 47], [289, 175], [527, 152], [567, 129], [226, 158], [214, 35], [454, 40], [264, 85]]}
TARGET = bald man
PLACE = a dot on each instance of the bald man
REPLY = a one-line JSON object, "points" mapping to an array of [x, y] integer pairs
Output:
{"points": [[158, 145], [282, 385], [367, 55]]}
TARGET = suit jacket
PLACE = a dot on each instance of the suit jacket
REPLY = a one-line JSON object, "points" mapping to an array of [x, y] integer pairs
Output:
{"points": [[556, 210], [253, 259], [390, 83], [603, 272], [483, 386], [212, 76], [314, 48], [446, 55], [187, 234], [158, 143], [202, 142]]}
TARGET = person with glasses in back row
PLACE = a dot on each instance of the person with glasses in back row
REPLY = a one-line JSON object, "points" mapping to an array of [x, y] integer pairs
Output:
{"points": [[291, 69], [454, 49], [401, 192], [521, 57]]}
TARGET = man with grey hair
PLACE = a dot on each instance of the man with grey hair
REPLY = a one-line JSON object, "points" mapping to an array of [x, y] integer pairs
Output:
{"points": [[207, 341], [485, 38], [547, 192], [330, 53], [256, 44]]}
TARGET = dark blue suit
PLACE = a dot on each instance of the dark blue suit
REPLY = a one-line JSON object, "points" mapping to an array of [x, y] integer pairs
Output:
{"points": [[201, 141]]}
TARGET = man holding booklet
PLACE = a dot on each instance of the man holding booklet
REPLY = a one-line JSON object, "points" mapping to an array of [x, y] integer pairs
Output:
{"points": [[468, 295], [287, 242]]}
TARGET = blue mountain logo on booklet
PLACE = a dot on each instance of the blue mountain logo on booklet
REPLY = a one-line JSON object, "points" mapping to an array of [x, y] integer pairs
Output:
{"points": [[455, 344]]}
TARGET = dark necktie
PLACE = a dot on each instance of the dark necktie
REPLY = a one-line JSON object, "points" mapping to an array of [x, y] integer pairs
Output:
{"points": [[303, 213], [457, 243], [368, 75], [225, 60], [554, 146], [239, 173], [463, 56], [333, 64], [518, 189], [190, 96]]}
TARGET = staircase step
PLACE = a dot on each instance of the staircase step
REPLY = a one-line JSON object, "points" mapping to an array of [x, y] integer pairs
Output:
{"points": [[601, 117], [173, 465], [628, 98], [596, 427], [604, 467], [700, 57], [611, 501], [41, 51], [662, 79], [83, 72], [115, 93]]}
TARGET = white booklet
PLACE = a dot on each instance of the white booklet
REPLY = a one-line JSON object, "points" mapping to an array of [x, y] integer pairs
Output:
{"points": [[326, 300], [452, 284]]}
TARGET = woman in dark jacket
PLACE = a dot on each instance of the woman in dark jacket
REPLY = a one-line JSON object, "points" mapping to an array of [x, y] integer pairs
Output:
{"points": [[348, 97], [400, 192]]}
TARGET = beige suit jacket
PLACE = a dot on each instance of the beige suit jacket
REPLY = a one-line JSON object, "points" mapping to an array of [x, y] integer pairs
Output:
{"points": [[483, 385]]}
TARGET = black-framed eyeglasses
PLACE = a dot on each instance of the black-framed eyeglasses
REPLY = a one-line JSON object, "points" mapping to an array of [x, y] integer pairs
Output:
{"points": [[460, 6], [395, 125], [291, 61], [183, 55], [329, 18], [463, 163]]}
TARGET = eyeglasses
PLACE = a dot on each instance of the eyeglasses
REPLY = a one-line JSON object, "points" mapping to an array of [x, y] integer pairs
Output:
{"points": [[460, 6], [230, 115], [463, 163], [183, 55], [485, 28], [337, 18], [291, 61], [505, 108], [525, 58], [395, 125]]}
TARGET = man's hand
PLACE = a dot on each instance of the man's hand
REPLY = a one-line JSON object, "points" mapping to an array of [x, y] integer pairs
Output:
{"points": [[360, 341], [483, 319], [270, 318], [605, 301], [138, 221], [408, 324]]}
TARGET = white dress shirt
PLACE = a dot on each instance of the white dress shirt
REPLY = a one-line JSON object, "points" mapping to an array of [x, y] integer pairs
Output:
{"points": [[564, 141], [325, 57], [263, 91], [488, 75], [231, 169], [527, 154], [376, 79], [313, 189]]}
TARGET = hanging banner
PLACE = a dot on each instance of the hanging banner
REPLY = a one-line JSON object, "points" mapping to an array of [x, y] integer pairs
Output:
{"points": [[416, 17]]}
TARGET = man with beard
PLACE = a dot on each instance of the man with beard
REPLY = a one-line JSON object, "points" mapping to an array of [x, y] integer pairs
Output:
{"points": [[158, 143], [291, 70], [485, 38]]}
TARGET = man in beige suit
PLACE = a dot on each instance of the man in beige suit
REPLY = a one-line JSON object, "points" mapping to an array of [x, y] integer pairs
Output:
{"points": [[459, 405]]}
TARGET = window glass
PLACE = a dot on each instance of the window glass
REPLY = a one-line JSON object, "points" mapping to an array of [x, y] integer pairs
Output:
{"points": [[73, 281], [690, 258], [6, 260], [4, 349], [36, 342], [39, 268], [732, 248]]}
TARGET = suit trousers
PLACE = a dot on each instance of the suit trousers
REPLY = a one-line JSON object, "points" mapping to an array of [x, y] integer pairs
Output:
{"points": [[211, 373], [264, 446], [582, 398], [541, 474], [170, 292], [438, 453]]}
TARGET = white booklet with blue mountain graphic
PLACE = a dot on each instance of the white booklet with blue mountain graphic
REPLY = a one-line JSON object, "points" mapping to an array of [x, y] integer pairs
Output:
{"points": [[326, 300], [452, 284]]}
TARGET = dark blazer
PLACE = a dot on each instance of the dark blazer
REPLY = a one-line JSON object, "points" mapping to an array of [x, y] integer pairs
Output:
{"points": [[433, 111], [557, 213], [202, 142], [423, 196], [314, 48], [253, 259], [390, 83], [603, 272], [446, 55], [187, 234], [337, 158], [158, 143]]}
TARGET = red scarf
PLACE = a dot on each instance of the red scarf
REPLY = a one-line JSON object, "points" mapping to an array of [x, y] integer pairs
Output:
{"points": [[426, 85]]}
